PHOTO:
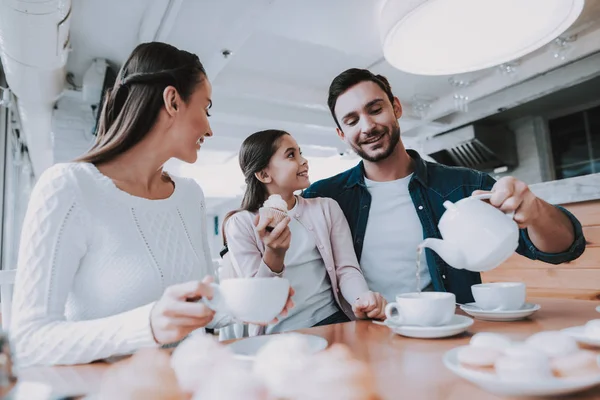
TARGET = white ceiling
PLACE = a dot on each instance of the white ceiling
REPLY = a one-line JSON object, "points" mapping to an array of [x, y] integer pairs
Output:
{"points": [[285, 54]]}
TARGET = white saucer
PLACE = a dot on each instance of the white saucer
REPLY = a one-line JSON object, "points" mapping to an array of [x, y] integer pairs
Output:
{"points": [[578, 333], [504, 387], [504, 315], [246, 349], [458, 324]]}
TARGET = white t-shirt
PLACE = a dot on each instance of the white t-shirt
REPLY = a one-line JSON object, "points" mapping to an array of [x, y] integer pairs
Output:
{"points": [[393, 233], [305, 269]]}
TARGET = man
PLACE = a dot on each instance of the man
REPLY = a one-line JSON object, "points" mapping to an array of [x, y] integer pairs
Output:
{"points": [[393, 198]]}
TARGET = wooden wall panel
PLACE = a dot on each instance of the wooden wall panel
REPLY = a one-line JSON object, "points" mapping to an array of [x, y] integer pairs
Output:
{"points": [[590, 259], [588, 212], [579, 279]]}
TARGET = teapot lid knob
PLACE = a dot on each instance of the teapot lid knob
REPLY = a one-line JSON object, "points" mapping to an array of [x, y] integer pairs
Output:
{"points": [[449, 205]]}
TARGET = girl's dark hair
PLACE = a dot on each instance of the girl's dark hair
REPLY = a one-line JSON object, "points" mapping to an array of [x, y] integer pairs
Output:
{"points": [[255, 155], [132, 106]]}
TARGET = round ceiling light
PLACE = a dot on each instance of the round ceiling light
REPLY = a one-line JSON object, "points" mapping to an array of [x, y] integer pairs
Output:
{"points": [[446, 37]]}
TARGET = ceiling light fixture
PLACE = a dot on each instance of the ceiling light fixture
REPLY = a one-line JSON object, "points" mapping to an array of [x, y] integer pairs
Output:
{"points": [[562, 46], [460, 95], [447, 37], [421, 104], [509, 69]]}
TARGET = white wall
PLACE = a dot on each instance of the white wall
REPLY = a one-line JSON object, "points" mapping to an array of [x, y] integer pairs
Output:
{"points": [[218, 208], [534, 150], [530, 165]]}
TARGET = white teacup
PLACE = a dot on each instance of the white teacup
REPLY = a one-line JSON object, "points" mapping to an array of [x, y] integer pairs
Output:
{"points": [[251, 300], [423, 309], [499, 296]]}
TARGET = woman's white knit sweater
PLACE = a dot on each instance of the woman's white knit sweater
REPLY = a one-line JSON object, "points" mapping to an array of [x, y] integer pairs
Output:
{"points": [[94, 259]]}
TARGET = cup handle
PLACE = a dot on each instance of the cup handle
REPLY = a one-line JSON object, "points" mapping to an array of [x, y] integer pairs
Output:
{"points": [[487, 196], [389, 313]]}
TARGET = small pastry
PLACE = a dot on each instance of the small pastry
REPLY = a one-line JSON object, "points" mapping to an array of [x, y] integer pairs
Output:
{"points": [[490, 340], [592, 329], [196, 358], [478, 357], [553, 343], [522, 350], [279, 362], [147, 375], [335, 374], [274, 207], [232, 382], [524, 367], [580, 363]]}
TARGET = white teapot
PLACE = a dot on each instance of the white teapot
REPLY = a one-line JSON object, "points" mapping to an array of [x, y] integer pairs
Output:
{"points": [[476, 235]]}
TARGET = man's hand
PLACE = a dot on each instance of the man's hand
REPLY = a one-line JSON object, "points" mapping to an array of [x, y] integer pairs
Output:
{"points": [[549, 229], [512, 195]]}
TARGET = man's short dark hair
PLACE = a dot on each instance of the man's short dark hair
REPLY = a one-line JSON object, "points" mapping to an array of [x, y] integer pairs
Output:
{"points": [[352, 77]]}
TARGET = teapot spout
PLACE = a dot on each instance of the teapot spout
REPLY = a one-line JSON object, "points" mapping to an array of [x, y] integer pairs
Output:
{"points": [[444, 249]]}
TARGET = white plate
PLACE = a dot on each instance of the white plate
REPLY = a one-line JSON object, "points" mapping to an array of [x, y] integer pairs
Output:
{"points": [[458, 324], [505, 315], [246, 349], [578, 333], [504, 387]]}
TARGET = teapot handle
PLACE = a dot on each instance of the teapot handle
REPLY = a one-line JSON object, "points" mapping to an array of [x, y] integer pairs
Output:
{"points": [[487, 196]]}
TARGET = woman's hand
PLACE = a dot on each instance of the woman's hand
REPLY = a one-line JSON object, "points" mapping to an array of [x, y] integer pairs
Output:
{"points": [[177, 313], [369, 305]]}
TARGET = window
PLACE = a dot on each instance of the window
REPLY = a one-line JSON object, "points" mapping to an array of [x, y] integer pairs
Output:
{"points": [[18, 182], [575, 141]]}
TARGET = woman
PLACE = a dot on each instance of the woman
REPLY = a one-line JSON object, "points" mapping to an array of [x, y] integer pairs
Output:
{"points": [[111, 251], [311, 247]]}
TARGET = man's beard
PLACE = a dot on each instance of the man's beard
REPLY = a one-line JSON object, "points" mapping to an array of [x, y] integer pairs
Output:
{"points": [[394, 139]]}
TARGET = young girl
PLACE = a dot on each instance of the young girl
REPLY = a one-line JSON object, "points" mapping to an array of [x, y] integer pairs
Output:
{"points": [[311, 247]]}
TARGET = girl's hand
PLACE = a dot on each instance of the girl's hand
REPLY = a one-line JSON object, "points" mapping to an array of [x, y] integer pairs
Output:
{"points": [[177, 314], [369, 305], [278, 240]]}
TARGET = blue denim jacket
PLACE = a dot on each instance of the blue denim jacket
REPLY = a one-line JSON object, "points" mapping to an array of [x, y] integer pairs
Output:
{"points": [[431, 185]]}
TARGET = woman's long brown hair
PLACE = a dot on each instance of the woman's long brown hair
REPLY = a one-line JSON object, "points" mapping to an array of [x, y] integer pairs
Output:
{"points": [[133, 104]]}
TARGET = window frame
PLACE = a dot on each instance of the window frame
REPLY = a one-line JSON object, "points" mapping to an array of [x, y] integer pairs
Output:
{"points": [[547, 134]]}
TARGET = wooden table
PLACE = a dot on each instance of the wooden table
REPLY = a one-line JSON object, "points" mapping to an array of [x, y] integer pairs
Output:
{"points": [[404, 367]]}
